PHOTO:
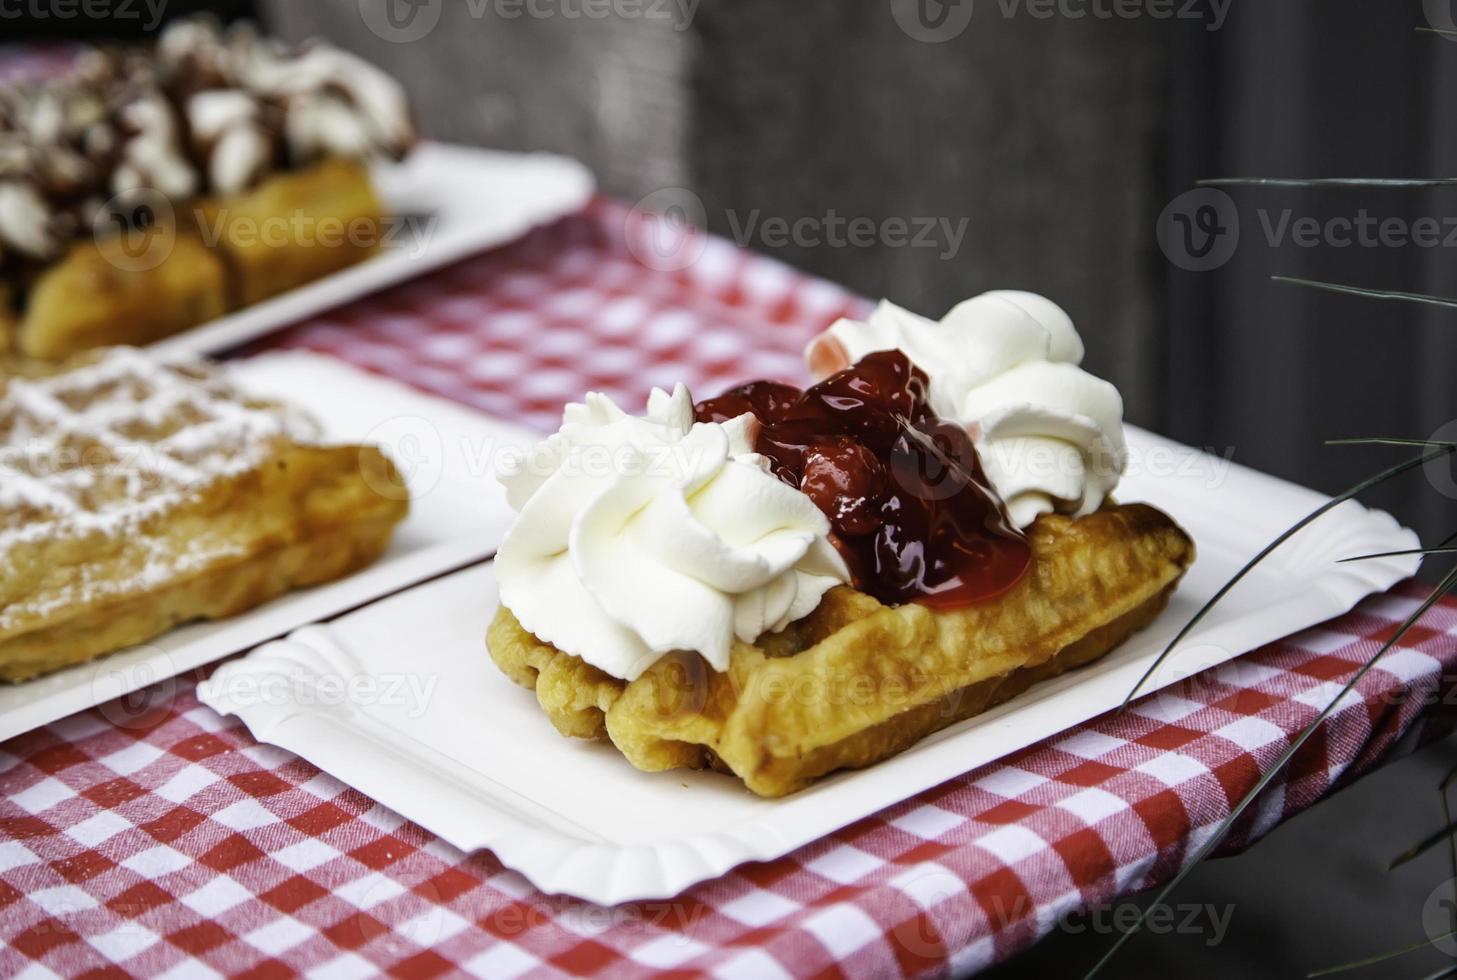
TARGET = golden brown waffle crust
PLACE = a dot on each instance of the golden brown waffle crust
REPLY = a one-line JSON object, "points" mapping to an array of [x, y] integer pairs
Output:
{"points": [[138, 493], [856, 682], [213, 257], [307, 515]]}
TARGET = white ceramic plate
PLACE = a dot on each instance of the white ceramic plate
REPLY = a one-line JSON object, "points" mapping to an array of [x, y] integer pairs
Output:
{"points": [[445, 202], [457, 748], [458, 515]]}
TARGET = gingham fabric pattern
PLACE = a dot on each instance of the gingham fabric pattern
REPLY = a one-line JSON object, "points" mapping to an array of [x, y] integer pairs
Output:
{"points": [[154, 837]]}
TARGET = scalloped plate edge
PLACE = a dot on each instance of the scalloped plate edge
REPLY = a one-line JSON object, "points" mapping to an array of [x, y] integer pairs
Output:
{"points": [[473, 811]]}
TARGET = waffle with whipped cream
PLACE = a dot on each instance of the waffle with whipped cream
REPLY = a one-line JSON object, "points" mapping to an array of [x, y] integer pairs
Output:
{"points": [[857, 681], [137, 494], [781, 583], [153, 189]]}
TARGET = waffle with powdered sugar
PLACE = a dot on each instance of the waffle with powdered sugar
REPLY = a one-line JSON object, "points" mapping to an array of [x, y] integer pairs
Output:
{"points": [[129, 475], [98, 449]]}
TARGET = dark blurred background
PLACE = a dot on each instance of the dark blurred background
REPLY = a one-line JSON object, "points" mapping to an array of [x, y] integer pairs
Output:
{"points": [[1067, 144], [1046, 145]]}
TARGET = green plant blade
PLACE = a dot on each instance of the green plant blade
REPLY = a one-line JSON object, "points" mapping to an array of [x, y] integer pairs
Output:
{"points": [[1443, 547], [1448, 583], [1449, 828], [1451, 840], [1290, 532], [1385, 441], [1319, 182], [1336, 287], [1379, 957], [1447, 817], [1424, 845], [1397, 554]]}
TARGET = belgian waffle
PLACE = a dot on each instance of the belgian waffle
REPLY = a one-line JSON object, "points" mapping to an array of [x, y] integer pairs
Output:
{"points": [[856, 681], [213, 261], [152, 189], [137, 494]]}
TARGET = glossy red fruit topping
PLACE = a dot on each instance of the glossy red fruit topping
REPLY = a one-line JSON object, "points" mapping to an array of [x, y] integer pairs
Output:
{"points": [[911, 508]]}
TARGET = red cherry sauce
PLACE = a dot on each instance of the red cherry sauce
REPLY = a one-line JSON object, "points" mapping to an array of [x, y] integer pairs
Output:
{"points": [[911, 508]]}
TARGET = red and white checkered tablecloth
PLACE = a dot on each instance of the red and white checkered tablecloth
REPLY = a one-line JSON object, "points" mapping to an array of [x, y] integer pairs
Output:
{"points": [[167, 839]]}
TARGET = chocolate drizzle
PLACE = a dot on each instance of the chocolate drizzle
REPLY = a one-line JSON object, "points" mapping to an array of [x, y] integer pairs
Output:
{"points": [[117, 129]]}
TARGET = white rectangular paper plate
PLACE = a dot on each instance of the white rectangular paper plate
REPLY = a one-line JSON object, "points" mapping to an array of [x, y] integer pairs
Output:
{"points": [[401, 701], [445, 203], [458, 514]]}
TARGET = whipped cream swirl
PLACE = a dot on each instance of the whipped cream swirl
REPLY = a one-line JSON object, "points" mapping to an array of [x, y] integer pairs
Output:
{"points": [[641, 536], [1005, 365]]}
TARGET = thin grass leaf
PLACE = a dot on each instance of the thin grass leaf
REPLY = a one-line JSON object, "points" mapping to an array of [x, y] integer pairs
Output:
{"points": [[1318, 182], [1442, 793], [1449, 828], [1379, 957], [1336, 287], [1397, 554], [1290, 532], [1451, 841], [1425, 845], [1447, 816], [1385, 441], [1437, 30], [1448, 583], [1443, 547]]}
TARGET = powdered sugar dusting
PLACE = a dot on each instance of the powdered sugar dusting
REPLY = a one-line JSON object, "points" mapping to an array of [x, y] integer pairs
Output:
{"points": [[97, 452]]}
